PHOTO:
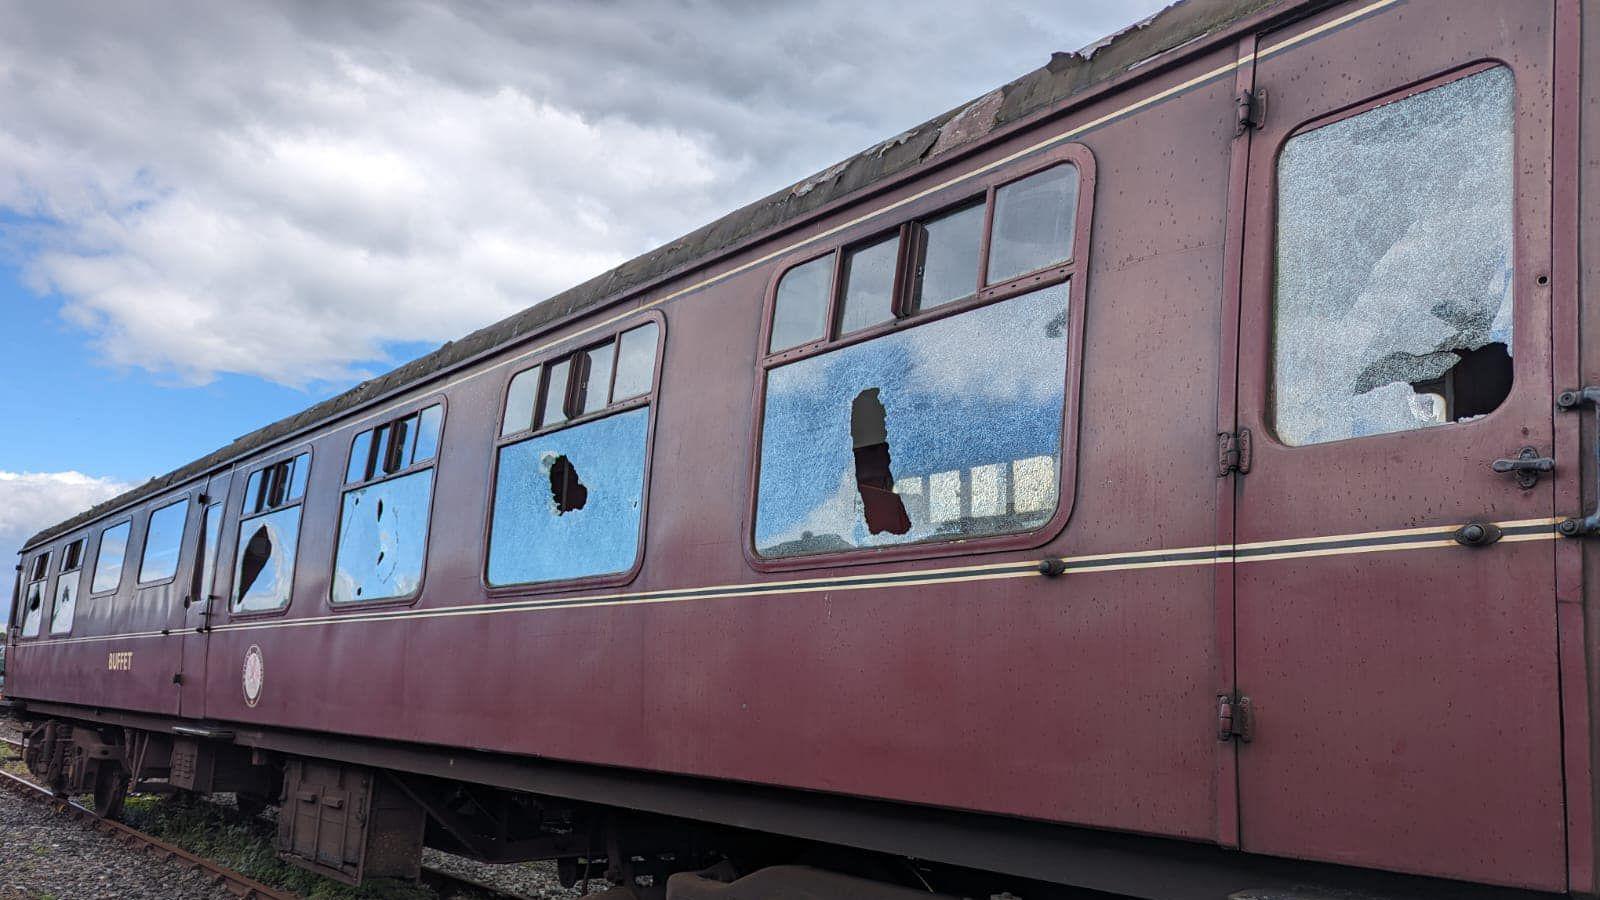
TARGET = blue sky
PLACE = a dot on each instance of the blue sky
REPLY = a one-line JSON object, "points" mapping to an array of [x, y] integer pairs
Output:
{"points": [[214, 215]]}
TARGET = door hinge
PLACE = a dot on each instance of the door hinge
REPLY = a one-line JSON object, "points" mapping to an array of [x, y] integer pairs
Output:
{"points": [[1235, 718], [1251, 110], [1233, 452]]}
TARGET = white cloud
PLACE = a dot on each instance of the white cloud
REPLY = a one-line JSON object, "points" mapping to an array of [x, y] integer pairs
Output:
{"points": [[282, 189], [32, 501]]}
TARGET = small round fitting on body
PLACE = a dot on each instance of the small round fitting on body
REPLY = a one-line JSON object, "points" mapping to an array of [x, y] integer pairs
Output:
{"points": [[1052, 567]]}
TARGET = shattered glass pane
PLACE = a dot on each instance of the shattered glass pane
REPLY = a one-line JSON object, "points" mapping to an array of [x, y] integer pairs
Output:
{"points": [[1394, 262], [66, 604], [868, 286], [33, 609], [800, 312], [636, 363], [948, 269], [162, 541], [567, 504], [383, 530], [1033, 221], [519, 402], [970, 436], [108, 561], [211, 531], [263, 569]]}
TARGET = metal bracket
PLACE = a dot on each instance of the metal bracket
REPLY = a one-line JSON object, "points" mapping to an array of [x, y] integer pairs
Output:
{"points": [[1571, 401], [1251, 110], [1235, 718], [1233, 452]]}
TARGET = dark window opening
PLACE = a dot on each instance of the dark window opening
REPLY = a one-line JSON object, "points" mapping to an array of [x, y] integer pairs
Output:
{"points": [[257, 553], [869, 433], [1474, 386], [566, 490], [41, 566], [72, 557]]}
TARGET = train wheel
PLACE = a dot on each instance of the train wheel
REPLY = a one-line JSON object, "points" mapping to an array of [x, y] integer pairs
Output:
{"points": [[110, 789]]}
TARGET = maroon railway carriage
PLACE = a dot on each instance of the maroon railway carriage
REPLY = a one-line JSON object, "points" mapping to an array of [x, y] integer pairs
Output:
{"points": [[1165, 475]]}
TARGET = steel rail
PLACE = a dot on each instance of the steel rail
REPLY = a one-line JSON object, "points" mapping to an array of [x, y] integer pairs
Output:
{"points": [[234, 882], [448, 883]]}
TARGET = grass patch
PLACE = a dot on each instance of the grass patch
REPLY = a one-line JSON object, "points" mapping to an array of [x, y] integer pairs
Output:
{"points": [[246, 846]]}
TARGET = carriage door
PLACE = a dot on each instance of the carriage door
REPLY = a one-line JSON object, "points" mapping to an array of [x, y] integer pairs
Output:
{"points": [[1394, 375], [199, 597]]}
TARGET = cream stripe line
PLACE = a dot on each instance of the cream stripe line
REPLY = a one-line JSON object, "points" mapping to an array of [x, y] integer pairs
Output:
{"points": [[1022, 569], [866, 217]]}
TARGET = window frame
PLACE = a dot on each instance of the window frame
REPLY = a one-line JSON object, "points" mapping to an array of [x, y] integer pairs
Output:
{"points": [[187, 500], [864, 231], [389, 417], [243, 517], [99, 539], [564, 348], [1320, 121], [47, 555], [55, 594]]}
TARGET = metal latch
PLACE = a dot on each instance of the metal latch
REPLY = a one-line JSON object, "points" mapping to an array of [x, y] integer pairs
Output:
{"points": [[1527, 465], [1233, 452], [1251, 110], [1235, 718]]}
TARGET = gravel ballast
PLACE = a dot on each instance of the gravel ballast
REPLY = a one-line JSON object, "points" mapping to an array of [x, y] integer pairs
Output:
{"points": [[47, 855]]}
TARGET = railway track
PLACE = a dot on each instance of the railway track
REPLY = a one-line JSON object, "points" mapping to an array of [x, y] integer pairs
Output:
{"points": [[446, 883]]}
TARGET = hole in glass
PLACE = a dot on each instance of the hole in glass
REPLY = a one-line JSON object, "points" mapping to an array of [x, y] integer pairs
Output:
{"points": [[869, 435], [566, 491]]}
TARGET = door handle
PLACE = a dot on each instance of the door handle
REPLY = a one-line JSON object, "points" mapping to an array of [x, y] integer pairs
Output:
{"points": [[1570, 401], [1527, 465]]}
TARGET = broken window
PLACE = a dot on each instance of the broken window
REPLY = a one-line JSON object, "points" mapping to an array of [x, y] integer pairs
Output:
{"points": [[383, 532], [162, 541], [64, 609], [108, 561], [383, 521], [1393, 300], [800, 311], [1033, 221], [869, 282], [33, 595], [567, 504], [946, 261], [264, 564], [269, 530], [946, 430]]}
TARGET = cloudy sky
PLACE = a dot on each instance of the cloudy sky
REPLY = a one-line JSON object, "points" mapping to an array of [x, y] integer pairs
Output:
{"points": [[212, 215]]}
